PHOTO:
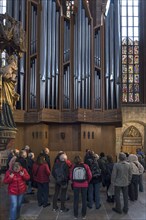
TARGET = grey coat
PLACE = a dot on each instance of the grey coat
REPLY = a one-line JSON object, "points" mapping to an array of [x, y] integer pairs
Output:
{"points": [[121, 174]]}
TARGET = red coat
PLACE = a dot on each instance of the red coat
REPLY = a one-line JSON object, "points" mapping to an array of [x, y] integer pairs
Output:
{"points": [[17, 183], [42, 174], [86, 182]]}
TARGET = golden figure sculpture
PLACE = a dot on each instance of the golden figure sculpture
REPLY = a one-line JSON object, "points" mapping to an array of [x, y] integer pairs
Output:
{"points": [[8, 84], [12, 43]]}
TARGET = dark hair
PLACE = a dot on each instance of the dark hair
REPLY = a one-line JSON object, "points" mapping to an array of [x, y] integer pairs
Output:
{"points": [[41, 159], [77, 159], [102, 154], [109, 158]]}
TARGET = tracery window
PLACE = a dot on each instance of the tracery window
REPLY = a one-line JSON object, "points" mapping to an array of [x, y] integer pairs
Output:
{"points": [[3, 6], [2, 11], [130, 50]]}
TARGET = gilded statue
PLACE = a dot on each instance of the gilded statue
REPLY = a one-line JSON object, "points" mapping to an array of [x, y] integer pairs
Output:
{"points": [[8, 77], [12, 43]]}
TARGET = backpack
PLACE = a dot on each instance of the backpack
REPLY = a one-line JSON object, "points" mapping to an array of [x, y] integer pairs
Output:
{"points": [[60, 172], [95, 170], [79, 173]]}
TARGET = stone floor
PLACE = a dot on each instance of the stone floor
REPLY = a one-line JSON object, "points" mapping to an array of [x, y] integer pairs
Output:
{"points": [[30, 210]]}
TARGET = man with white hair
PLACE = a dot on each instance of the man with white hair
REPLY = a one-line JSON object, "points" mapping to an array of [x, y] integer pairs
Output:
{"points": [[60, 172], [46, 152]]}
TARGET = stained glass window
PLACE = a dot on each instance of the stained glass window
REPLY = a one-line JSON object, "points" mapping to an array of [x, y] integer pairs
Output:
{"points": [[3, 6], [3, 11], [130, 50], [69, 7]]}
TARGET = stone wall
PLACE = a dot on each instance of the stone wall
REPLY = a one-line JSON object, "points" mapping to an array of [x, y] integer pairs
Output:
{"points": [[135, 116]]}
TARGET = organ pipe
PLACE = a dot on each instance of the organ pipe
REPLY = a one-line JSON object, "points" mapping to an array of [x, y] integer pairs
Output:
{"points": [[117, 51], [83, 57], [43, 52], [53, 51], [49, 49], [57, 57], [111, 57]]}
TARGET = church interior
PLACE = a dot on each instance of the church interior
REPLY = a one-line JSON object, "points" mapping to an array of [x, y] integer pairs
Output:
{"points": [[80, 80]]}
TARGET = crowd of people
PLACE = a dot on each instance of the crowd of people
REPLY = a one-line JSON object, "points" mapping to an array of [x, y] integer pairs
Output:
{"points": [[87, 175]]}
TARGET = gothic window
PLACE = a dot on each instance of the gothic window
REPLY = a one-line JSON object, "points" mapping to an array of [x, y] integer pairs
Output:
{"points": [[3, 6], [2, 11], [130, 50]]}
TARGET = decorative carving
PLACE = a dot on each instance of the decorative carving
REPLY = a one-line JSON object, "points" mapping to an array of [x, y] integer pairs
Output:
{"points": [[132, 137], [132, 132], [12, 35]]}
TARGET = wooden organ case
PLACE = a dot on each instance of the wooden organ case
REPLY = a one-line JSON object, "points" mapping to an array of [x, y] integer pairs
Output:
{"points": [[70, 80]]}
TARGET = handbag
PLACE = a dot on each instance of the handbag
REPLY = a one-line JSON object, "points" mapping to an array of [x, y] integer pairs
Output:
{"points": [[34, 183]]}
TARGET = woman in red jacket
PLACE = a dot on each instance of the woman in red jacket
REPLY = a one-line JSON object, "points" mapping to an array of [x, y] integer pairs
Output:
{"points": [[41, 173], [16, 179], [80, 175]]}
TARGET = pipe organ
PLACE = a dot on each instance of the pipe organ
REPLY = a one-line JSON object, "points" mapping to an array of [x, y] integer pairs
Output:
{"points": [[71, 64], [49, 55], [82, 58], [97, 71], [112, 56], [69, 81], [66, 63]]}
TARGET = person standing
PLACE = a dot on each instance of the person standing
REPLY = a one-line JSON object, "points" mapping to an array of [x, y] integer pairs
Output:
{"points": [[121, 178], [41, 173], [16, 179], [137, 170], [46, 152], [60, 172], [95, 183], [80, 176]]}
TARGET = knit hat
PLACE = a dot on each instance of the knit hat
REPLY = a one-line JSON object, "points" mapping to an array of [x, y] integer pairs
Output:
{"points": [[122, 156], [132, 158]]}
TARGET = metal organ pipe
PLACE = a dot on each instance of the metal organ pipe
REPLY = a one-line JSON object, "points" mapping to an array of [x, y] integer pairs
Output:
{"points": [[65, 39], [68, 86], [16, 10], [89, 70], [99, 52], [49, 49], [83, 59], [34, 27], [53, 50], [117, 50], [32, 24], [57, 57], [75, 63], [87, 62], [43, 52], [111, 56], [107, 62], [9, 7], [79, 52]]}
